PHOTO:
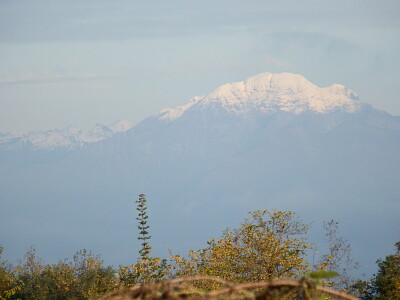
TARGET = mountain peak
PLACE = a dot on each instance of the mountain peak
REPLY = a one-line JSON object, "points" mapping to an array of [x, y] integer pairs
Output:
{"points": [[268, 92]]}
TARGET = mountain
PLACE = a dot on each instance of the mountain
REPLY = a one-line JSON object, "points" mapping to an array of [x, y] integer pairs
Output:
{"points": [[69, 138], [266, 93], [271, 141]]}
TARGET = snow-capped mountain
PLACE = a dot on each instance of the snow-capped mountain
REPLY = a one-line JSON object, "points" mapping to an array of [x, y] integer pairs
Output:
{"points": [[264, 93], [69, 138], [271, 141], [267, 93]]}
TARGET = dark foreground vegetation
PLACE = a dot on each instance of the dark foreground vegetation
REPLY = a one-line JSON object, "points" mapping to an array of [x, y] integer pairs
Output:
{"points": [[265, 258]]}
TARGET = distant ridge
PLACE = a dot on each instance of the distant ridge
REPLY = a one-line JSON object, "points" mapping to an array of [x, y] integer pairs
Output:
{"points": [[68, 138]]}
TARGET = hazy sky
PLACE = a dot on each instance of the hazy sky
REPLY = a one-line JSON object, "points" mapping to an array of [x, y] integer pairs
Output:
{"points": [[85, 62]]}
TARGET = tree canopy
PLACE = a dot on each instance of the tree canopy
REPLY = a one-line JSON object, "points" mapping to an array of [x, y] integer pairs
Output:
{"points": [[268, 245]]}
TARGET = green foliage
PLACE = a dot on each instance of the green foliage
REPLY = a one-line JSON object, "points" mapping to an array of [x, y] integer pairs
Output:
{"points": [[150, 270], [9, 284], [319, 277], [363, 289], [147, 269], [94, 279], [82, 278], [269, 245], [385, 285], [387, 281], [144, 236]]}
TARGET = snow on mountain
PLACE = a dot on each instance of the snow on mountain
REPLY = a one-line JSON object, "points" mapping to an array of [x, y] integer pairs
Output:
{"points": [[267, 92], [69, 138], [262, 93], [121, 126], [175, 113]]}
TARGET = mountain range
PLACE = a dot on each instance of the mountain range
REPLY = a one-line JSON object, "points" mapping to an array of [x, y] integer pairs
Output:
{"points": [[271, 141], [69, 139]]}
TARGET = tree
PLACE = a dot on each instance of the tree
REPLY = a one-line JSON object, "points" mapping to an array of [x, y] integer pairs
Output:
{"points": [[147, 269], [9, 284], [386, 283], [29, 272], [338, 259], [83, 278], [144, 236], [93, 279], [268, 245]]}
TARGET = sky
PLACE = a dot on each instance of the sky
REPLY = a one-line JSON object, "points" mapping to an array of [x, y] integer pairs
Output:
{"points": [[78, 63]]}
